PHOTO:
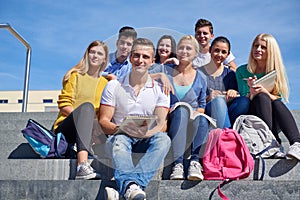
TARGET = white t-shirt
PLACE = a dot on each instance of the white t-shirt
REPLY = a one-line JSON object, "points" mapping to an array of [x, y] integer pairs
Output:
{"points": [[122, 96], [204, 59]]}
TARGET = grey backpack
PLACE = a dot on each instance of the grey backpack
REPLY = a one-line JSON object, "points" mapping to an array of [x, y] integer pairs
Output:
{"points": [[257, 135]]}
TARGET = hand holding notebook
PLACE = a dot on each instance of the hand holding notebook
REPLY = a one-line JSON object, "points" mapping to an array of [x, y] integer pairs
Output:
{"points": [[267, 81]]}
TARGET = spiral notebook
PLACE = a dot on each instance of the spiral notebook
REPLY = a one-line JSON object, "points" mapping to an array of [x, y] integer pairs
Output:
{"points": [[139, 120], [267, 81]]}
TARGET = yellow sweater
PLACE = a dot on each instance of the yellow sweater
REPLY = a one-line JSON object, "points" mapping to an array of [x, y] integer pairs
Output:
{"points": [[79, 89]]}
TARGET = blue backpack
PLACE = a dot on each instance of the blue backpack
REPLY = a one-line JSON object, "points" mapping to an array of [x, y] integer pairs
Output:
{"points": [[44, 142]]}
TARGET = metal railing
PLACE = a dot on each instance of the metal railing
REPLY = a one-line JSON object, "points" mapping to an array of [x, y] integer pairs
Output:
{"points": [[27, 66]]}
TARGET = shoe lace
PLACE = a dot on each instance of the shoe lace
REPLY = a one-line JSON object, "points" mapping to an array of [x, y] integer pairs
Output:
{"points": [[86, 167], [178, 168], [195, 166]]}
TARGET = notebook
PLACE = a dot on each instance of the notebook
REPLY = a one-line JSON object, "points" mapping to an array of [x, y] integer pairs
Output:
{"points": [[267, 81]]}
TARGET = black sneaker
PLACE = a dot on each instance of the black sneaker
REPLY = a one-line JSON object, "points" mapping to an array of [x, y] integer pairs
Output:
{"points": [[86, 172]]}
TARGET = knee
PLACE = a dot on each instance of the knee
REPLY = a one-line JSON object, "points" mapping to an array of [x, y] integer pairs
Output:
{"points": [[262, 97], [219, 102], [203, 121], [243, 103], [86, 107], [180, 111], [162, 139]]}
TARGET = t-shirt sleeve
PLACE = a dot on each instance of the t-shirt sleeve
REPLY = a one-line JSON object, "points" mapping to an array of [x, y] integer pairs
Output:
{"points": [[163, 100], [108, 97], [229, 58]]}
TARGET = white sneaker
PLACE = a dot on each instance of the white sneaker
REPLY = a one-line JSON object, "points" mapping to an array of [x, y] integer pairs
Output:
{"points": [[194, 171], [294, 151], [177, 172], [280, 154], [134, 192], [111, 194]]}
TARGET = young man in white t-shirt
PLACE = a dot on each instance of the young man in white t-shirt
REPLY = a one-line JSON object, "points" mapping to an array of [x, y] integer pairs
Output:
{"points": [[136, 94], [204, 34]]}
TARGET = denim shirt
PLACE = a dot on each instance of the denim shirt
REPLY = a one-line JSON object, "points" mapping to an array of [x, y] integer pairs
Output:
{"points": [[224, 82], [116, 68]]}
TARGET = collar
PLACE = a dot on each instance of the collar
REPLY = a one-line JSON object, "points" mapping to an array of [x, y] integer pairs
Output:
{"points": [[149, 83], [113, 59]]}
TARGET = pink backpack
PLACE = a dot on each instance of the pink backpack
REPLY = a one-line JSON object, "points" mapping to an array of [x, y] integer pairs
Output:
{"points": [[226, 157]]}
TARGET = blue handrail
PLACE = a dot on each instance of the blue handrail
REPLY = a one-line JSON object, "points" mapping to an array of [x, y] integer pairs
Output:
{"points": [[27, 66]]}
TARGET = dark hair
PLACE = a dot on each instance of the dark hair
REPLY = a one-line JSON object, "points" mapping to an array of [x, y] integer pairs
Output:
{"points": [[202, 23], [220, 39], [127, 31], [173, 47], [143, 42]]}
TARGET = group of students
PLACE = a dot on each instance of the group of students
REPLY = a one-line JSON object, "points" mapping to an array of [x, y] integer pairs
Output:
{"points": [[103, 88]]}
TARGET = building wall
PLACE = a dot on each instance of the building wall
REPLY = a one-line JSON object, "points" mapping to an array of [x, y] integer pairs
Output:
{"points": [[38, 101]]}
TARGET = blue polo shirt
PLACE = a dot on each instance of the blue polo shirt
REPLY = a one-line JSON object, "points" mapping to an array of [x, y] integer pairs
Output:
{"points": [[116, 68]]}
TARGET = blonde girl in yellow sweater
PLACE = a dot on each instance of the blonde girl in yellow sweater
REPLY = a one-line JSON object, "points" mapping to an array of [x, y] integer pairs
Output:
{"points": [[79, 103]]}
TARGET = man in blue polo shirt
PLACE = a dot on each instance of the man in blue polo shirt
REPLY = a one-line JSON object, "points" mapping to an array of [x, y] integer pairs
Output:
{"points": [[119, 64], [136, 94]]}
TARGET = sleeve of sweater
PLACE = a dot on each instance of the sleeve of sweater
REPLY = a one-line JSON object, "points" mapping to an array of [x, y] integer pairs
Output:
{"points": [[68, 93]]}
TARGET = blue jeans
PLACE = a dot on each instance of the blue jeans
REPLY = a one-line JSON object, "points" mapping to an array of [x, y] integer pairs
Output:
{"points": [[217, 109], [121, 147], [238, 106], [226, 116], [180, 126]]}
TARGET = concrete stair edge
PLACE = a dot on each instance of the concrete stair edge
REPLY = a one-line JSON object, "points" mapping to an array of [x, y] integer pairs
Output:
{"points": [[158, 189]]}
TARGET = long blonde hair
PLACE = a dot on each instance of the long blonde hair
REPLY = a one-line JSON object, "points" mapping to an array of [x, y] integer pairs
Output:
{"points": [[274, 62], [83, 66]]}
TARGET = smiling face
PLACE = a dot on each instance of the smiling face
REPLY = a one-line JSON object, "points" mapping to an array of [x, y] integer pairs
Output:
{"points": [[96, 56], [124, 45], [259, 50], [141, 58], [219, 52], [186, 51], [203, 36], [164, 48]]}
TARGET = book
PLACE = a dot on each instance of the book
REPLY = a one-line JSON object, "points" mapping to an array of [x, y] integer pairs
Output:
{"points": [[267, 81], [193, 114], [139, 120]]}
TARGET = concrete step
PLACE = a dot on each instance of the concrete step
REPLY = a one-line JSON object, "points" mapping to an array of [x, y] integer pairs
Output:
{"points": [[65, 169], [24, 176], [156, 190], [18, 121]]}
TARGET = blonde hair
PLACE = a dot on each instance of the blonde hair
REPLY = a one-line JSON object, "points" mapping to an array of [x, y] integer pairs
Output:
{"points": [[192, 39], [83, 66], [274, 62]]}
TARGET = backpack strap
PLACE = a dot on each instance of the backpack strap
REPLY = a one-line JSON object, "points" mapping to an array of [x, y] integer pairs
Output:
{"points": [[263, 163], [220, 193], [263, 168], [56, 144]]}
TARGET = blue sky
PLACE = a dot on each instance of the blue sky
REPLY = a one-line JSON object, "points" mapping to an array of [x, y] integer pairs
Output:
{"points": [[59, 32]]}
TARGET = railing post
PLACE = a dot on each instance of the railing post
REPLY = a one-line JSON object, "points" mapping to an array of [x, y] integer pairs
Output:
{"points": [[27, 66]]}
